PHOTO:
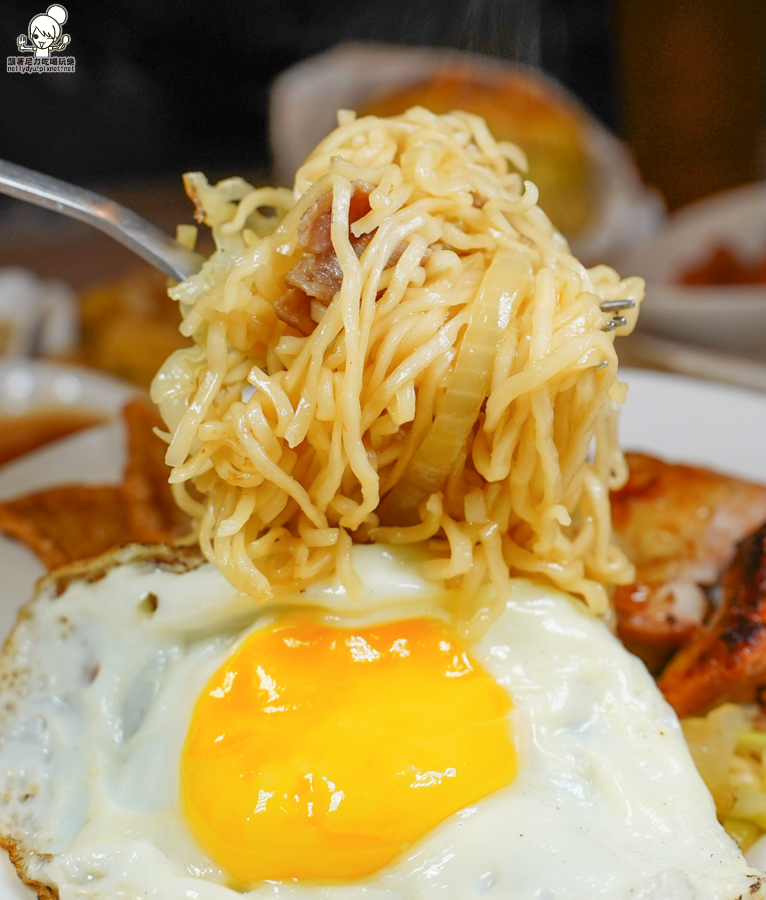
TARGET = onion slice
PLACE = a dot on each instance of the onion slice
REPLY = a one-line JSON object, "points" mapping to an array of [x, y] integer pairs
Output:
{"points": [[504, 283]]}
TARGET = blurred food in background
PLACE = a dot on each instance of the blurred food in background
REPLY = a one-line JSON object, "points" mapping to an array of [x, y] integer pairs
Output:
{"points": [[726, 266], [517, 108], [36, 316], [128, 326], [71, 522], [695, 294]]}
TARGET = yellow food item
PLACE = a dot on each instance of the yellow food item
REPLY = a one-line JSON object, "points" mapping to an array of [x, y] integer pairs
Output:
{"points": [[129, 327], [728, 746], [518, 108], [404, 352], [320, 753]]}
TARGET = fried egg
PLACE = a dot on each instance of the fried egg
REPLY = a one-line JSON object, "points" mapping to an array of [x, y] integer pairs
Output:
{"points": [[162, 736]]}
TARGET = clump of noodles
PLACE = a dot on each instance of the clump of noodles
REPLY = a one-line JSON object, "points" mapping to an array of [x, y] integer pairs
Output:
{"points": [[457, 391], [728, 746]]}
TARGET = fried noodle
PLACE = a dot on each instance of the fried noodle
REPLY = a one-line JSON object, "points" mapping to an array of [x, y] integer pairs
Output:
{"points": [[457, 391]]}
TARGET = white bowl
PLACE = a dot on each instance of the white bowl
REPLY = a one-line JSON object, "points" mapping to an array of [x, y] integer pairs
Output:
{"points": [[727, 317]]}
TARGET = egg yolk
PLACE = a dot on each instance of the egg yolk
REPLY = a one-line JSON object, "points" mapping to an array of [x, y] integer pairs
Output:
{"points": [[321, 753]]}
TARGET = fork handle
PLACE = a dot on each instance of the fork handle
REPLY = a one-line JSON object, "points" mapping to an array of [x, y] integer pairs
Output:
{"points": [[128, 228]]}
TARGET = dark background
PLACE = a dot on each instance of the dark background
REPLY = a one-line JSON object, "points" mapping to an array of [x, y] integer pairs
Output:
{"points": [[161, 87], [165, 86]]}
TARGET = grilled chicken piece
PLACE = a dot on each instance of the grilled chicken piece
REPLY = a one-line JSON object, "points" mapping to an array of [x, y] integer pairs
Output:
{"points": [[726, 660], [680, 526]]}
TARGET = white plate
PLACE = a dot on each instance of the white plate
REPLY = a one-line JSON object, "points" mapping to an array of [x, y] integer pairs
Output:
{"points": [[730, 317], [92, 456], [690, 420], [26, 385], [681, 419]]}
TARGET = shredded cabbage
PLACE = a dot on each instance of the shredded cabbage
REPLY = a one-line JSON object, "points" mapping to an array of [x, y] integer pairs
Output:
{"points": [[728, 746]]}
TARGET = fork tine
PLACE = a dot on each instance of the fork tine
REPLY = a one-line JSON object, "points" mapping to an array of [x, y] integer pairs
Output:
{"points": [[610, 325], [615, 305]]}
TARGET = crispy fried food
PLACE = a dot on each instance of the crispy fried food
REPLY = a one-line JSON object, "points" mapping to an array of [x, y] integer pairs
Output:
{"points": [[726, 660], [129, 327], [68, 523], [680, 526], [152, 512], [76, 522]]}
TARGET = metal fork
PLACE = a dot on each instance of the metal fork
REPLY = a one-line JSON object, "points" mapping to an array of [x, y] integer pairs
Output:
{"points": [[134, 232], [616, 306], [128, 228]]}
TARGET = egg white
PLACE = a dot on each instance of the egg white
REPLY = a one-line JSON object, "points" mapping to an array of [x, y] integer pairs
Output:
{"points": [[98, 687]]}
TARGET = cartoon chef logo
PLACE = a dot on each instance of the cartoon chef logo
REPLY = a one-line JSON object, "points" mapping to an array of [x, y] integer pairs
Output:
{"points": [[45, 33]]}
